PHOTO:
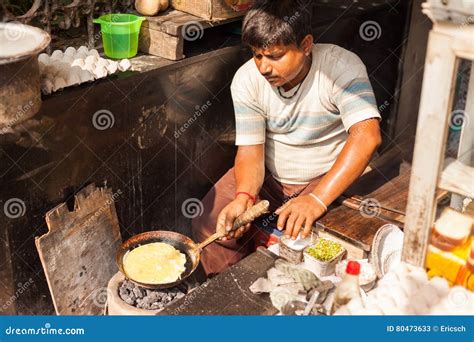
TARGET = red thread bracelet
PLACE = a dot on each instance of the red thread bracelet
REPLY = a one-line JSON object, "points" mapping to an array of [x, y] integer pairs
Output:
{"points": [[253, 198]]}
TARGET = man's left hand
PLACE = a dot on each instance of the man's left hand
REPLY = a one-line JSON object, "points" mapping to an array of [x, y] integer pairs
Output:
{"points": [[297, 213]]}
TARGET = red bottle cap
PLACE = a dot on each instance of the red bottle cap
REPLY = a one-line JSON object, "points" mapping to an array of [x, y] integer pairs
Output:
{"points": [[353, 267]]}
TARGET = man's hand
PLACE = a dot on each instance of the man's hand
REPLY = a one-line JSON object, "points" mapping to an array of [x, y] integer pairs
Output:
{"points": [[297, 213], [227, 216]]}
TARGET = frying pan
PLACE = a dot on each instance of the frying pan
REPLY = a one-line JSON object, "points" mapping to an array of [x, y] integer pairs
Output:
{"points": [[182, 243]]}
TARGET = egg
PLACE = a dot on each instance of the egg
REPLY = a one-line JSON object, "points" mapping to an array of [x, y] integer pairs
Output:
{"points": [[100, 72], [124, 65], [89, 62], [83, 49], [70, 51], [78, 62], [44, 58], [93, 52], [112, 67], [57, 54], [59, 83], [86, 76]]}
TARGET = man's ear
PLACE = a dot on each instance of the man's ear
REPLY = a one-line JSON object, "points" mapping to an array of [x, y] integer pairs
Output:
{"points": [[307, 44]]}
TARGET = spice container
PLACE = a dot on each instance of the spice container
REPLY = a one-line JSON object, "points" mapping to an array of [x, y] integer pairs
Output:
{"points": [[322, 257], [292, 250]]}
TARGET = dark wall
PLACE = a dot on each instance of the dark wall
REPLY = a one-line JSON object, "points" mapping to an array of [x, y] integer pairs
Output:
{"points": [[154, 168]]}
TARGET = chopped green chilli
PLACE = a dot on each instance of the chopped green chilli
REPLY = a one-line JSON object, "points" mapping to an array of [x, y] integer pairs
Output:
{"points": [[324, 250]]}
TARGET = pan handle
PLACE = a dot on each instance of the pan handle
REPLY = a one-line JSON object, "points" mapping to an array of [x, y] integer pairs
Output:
{"points": [[247, 217]]}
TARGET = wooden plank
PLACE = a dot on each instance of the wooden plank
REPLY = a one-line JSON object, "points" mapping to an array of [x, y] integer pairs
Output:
{"points": [[175, 22], [161, 44], [78, 252], [212, 9], [388, 186], [164, 35], [458, 178], [436, 102]]}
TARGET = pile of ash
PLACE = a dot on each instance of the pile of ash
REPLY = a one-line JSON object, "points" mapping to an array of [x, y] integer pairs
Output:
{"points": [[141, 298]]}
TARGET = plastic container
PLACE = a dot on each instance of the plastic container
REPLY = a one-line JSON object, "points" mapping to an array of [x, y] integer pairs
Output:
{"points": [[322, 268], [120, 34]]}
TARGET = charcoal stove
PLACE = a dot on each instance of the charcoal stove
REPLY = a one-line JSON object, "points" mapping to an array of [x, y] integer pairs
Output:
{"points": [[127, 298]]}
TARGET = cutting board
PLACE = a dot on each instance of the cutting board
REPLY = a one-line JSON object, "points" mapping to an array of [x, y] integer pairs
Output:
{"points": [[78, 252]]}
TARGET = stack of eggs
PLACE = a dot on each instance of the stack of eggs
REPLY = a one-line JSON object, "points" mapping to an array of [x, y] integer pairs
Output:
{"points": [[408, 291], [72, 67]]}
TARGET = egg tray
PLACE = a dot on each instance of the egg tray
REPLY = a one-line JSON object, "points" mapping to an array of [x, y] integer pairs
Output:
{"points": [[74, 67]]}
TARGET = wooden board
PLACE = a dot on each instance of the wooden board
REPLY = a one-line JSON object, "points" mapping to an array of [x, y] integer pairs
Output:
{"points": [[228, 293], [388, 186], [164, 35], [212, 9], [78, 252]]}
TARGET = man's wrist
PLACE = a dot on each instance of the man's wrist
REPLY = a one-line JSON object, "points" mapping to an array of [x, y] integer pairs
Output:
{"points": [[245, 195], [319, 201]]}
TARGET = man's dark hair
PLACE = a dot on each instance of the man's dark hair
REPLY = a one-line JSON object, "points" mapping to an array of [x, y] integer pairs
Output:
{"points": [[271, 22]]}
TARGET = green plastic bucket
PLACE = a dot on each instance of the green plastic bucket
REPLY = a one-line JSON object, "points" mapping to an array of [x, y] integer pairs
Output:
{"points": [[120, 34]]}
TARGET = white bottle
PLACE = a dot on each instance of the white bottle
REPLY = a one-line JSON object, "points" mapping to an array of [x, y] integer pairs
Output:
{"points": [[348, 288]]}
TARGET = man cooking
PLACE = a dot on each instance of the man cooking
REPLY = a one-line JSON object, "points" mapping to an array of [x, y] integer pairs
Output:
{"points": [[307, 126]]}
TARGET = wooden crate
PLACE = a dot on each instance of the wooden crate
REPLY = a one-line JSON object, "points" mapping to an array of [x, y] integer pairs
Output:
{"points": [[213, 9], [165, 35]]}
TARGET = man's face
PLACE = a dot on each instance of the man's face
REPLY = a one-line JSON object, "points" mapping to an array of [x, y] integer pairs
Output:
{"points": [[279, 64]]}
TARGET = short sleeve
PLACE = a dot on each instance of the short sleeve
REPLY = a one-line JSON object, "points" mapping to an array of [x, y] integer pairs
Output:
{"points": [[250, 121], [352, 93]]}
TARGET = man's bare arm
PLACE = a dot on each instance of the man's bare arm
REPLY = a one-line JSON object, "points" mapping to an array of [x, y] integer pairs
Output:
{"points": [[302, 211], [250, 168], [249, 172], [364, 138]]}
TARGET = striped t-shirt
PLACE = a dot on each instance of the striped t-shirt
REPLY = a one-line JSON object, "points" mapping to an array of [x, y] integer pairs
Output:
{"points": [[303, 135]]}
